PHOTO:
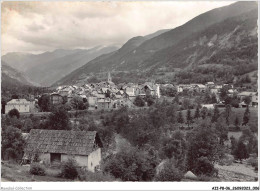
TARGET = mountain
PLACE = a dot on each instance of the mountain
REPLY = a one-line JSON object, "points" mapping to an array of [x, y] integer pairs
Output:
{"points": [[11, 77], [48, 67], [214, 37]]}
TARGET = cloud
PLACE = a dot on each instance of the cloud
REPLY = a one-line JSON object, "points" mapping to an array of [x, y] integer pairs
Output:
{"points": [[35, 27], [45, 26]]}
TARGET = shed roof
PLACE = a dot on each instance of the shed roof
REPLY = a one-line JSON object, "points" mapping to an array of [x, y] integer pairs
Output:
{"points": [[62, 141]]}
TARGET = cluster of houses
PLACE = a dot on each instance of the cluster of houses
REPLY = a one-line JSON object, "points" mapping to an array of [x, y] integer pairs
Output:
{"points": [[216, 89], [106, 95]]}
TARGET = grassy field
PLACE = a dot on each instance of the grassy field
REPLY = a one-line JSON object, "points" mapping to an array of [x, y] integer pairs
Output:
{"points": [[17, 173]]}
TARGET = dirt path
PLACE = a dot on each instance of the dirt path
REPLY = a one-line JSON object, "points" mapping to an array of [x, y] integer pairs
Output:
{"points": [[239, 168], [229, 176]]}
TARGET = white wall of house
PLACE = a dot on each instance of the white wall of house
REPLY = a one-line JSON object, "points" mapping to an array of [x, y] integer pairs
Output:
{"points": [[20, 107], [208, 106], [179, 89], [94, 159], [92, 101], [90, 161]]}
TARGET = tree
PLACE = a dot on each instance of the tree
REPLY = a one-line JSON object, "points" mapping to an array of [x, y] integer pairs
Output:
{"points": [[233, 144], [150, 100], [246, 116], [236, 122], [186, 103], [228, 100], [241, 151], [180, 117], [227, 113], [169, 172], [204, 112], [12, 143], [215, 114], [58, 119], [176, 99], [44, 103], [175, 147], [247, 100], [78, 104], [202, 142], [27, 126], [222, 130], [131, 165], [189, 117], [141, 130], [213, 98], [14, 112], [205, 167], [139, 101], [250, 140], [224, 92], [206, 98], [197, 113]]}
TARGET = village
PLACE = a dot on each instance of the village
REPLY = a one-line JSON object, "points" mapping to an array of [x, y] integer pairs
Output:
{"points": [[48, 141], [106, 95], [129, 92]]}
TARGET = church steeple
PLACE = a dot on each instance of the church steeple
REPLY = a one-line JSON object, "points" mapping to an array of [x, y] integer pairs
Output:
{"points": [[109, 79]]}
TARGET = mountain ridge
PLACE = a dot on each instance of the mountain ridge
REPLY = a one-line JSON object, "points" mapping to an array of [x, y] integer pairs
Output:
{"points": [[139, 57]]}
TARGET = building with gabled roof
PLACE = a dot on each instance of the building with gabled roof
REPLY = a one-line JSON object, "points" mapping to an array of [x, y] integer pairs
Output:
{"points": [[59, 145], [22, 105]]}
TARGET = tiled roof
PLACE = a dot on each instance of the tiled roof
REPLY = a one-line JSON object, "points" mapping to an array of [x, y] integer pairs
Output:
{"points": [[61, 141]]}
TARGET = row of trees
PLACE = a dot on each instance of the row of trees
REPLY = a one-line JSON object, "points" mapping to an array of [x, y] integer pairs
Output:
{"points": [[76, 103]]}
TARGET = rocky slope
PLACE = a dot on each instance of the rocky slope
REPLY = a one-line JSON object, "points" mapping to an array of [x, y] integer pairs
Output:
{"points": [[11, 77]]}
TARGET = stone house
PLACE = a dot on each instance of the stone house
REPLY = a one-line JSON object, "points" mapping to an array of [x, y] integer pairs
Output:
{"points": [[22, 105], [55, 146], [252, 95], [104, 104], [56, 98]]}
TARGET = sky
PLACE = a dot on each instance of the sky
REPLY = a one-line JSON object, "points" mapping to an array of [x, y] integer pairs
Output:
{"points": [[35, 27]]}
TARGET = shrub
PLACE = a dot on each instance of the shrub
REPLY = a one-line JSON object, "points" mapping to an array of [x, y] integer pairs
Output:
{"points": [[169, 172], [69, 169], [131, 165], [205, 167], [253, 161], [37, 169], [241, 151], [14, 112], [12, 143], [139, 101], [226, 160]]}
